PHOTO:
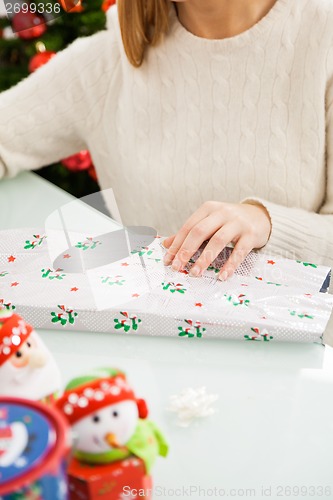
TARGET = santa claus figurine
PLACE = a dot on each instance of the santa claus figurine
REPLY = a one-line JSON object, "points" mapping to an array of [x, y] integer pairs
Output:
{"points": [[109, 423], [27, 369]]}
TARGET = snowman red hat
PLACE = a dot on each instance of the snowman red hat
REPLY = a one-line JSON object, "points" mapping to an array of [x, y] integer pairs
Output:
{"points": [[86, 395], [14, 331]]}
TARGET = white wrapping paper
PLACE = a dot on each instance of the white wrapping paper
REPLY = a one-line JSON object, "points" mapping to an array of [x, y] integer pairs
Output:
{"points": [[268, 299]]}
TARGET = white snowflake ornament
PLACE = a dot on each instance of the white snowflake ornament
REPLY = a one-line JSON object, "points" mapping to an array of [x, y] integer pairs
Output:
{"points": [[192, 403]]}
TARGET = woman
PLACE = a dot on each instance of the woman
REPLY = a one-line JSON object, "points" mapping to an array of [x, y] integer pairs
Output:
{"points": [[211, 120]]}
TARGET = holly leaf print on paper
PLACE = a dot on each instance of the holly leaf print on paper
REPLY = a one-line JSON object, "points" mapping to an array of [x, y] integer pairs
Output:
{"points": [[127, 322], [173, 287], [194, 329], [37, 242], [65, 316]]}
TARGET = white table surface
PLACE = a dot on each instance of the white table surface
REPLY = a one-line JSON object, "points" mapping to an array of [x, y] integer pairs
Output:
{"points": [[273, 429]]}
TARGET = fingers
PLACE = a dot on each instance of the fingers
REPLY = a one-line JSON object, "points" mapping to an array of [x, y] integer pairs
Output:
{"points": [[168, 241], [180, 237], [219, 240], [202, 231], [220, 223], [238, 255]]}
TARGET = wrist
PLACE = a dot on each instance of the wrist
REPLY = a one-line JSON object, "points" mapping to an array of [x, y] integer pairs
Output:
{"points": [[264, 211]]}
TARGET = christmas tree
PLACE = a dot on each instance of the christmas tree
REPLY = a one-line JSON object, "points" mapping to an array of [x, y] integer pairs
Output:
{"points": [[31, 33]]}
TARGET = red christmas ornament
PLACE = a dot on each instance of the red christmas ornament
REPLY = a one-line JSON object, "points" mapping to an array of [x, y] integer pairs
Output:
{"points": [[92, 173], [71, 5], [39, 59], [28, 25], [79, 161], [107, 4]]}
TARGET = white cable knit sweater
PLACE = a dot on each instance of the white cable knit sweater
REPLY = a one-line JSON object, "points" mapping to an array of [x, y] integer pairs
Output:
{"points": [[244, 117]]}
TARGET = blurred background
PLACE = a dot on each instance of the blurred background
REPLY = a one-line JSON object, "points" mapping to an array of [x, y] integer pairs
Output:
{"points": [[31, 33]]}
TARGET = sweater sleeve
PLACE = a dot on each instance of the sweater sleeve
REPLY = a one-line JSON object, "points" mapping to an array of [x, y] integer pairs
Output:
{"points": [[297, 233], [48, 115]]}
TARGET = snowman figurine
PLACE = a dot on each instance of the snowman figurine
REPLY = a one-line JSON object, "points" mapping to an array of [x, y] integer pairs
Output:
{"points": [[107, 420], [27, 369]]}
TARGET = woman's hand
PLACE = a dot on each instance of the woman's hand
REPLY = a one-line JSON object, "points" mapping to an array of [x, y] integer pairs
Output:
{"points": [[247, 226]]}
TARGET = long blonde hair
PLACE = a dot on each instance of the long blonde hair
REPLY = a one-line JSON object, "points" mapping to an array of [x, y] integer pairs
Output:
{"points": [[142, 23]]}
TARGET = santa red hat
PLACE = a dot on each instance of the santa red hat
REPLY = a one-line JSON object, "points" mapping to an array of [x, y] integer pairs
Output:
{"points": [[14, 331], [86, 395]]}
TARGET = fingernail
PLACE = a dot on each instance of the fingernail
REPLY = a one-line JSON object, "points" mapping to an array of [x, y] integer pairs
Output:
{"points": [[176, 265], [195, 271], [223, 276], [167, 259]]}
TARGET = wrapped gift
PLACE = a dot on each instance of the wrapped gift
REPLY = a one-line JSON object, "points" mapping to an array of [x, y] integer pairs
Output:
{"points": [[85, 282], [114, 481], [33, 448]]}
